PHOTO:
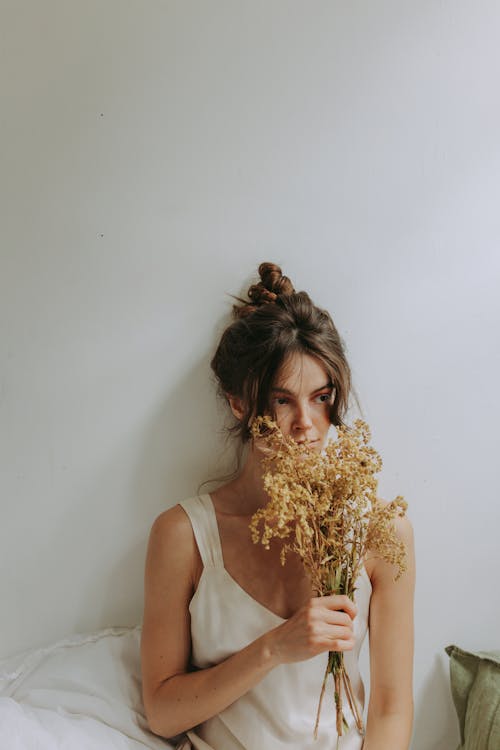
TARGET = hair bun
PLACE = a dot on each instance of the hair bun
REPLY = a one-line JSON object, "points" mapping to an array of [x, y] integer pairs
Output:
{"points": [[271, 285]]}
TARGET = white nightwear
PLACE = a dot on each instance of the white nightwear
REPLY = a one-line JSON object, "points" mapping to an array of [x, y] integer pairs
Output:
{"points": [[280, 711]]}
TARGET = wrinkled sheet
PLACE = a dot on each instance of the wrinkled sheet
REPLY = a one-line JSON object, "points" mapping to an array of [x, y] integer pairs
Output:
{"points": [[82, 693]]}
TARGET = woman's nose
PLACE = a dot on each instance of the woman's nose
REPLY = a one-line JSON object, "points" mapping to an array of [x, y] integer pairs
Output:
{"points": [[302, 418]]}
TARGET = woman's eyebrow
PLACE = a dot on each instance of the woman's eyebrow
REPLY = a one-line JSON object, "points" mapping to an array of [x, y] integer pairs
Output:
{"points": [[290, 393]]}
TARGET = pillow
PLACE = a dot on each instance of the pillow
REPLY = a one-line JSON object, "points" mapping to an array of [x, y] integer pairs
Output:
{"points": [[475, 688], [84, 691]]}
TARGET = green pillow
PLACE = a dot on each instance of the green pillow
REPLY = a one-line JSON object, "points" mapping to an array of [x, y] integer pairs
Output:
{"points": [[475, 688]]}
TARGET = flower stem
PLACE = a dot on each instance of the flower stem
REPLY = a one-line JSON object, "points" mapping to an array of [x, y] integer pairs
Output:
{"points": [[328, 670], [336, 668], [338, 701], [352, 702]]}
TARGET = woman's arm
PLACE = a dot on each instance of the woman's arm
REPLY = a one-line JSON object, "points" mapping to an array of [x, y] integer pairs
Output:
{"points": [[175, 699], [390, 709]]}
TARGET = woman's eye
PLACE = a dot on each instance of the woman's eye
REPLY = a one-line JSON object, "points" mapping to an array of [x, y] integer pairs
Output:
{"points": [[324, 397], [281, 401]]}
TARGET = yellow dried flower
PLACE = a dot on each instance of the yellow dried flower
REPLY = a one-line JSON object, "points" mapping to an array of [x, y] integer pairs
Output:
{"points": [[325, 507]]}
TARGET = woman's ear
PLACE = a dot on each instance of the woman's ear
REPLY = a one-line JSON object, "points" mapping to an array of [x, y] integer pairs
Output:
{"points": [[237, 407]]}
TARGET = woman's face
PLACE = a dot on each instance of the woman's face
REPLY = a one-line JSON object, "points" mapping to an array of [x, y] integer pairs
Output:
{"points": [[301, 398]]}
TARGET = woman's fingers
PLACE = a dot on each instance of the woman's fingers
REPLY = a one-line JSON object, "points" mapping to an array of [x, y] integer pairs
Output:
{"points": [[330, 610], [338, 602], [332, 638], [337, 618], [322, 624], [339, 644]]}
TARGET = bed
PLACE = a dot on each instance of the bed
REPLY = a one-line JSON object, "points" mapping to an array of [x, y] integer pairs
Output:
{"points": [[84, 693], [81, 693]]}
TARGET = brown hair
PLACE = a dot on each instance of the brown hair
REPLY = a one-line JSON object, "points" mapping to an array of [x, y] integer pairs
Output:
{"points": [[273, 323]]}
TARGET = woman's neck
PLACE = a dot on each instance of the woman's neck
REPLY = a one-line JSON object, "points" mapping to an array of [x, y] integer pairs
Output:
{"points": [[245, 494]]}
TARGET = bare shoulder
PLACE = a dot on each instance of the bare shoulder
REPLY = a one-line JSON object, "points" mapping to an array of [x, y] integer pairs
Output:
{"points": [[172, 544], [402, 524], [376, 567], [171, 524], [404, 529]]}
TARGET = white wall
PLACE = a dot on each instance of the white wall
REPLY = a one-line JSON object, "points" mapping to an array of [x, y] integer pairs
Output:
{"points": [[152, 154]]}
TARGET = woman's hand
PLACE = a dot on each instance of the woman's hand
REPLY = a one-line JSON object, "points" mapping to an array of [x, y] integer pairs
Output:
{"points": [[324, 623]]}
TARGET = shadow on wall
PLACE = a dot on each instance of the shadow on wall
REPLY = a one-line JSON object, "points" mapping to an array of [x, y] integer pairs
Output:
{"points": [[182, 444], [436, 724], [160, 457]]}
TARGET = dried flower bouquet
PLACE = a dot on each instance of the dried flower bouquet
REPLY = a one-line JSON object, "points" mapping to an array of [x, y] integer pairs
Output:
{"points": [[324, 506]]}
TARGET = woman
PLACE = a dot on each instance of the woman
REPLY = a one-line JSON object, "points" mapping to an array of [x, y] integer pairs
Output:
{"points": [[234, 645]]}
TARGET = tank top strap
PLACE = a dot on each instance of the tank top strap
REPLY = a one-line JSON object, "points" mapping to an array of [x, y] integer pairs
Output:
{"points": [[200, 510]]}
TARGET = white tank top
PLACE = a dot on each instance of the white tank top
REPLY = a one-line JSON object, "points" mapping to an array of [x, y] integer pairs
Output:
{"points": [[280, 711]]}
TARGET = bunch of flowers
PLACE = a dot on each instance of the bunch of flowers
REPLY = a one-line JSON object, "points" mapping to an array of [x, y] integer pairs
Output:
{"points": [[325, 508]]}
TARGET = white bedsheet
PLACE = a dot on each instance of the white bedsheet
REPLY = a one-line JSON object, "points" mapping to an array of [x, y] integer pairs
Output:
{"points": [[82, 693]]}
